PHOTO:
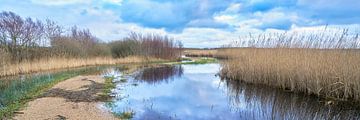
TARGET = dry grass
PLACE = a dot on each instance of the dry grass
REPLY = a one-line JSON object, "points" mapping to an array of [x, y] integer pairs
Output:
{"points": [[325, 63], [61, 63], [200, 52], [331, 73]]}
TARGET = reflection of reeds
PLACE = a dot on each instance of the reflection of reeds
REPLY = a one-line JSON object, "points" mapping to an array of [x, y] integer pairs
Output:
{"points": [[155, 75], [61, 63], [320, 64], [269, 103]]}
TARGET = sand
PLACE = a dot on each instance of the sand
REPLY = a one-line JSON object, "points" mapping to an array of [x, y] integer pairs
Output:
{"points": [[74, 99]]}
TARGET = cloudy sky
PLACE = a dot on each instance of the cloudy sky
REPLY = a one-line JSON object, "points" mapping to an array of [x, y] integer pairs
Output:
{"points": [[197, 23]]}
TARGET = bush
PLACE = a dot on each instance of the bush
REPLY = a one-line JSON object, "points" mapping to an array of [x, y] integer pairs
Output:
{"points": [[120, 49], [151, 45]]}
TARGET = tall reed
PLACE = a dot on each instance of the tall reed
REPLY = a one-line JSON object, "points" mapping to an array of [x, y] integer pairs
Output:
{"points": [[63, 63], [323, 64]]}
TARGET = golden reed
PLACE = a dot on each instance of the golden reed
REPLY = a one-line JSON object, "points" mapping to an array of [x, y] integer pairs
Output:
{"points": [[61, 63]]}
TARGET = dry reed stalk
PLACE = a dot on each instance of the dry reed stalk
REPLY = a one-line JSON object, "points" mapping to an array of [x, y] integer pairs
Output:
{"points": [[332, 73], [200, 53], [61, 63]]}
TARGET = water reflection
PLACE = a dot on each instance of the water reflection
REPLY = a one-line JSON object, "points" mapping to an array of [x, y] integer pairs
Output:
{"points": [[154, 75], [268, 103], [194, 92]]}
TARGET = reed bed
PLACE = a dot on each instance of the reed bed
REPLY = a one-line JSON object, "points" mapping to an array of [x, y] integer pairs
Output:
{"points": [[200, 52], [330, 71], [63, 63]]}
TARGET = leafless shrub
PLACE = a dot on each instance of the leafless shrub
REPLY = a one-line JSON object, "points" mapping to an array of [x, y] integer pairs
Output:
{"points": [[151, 45]]}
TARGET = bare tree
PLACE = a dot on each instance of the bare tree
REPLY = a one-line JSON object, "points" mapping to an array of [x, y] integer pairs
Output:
{"points": [[19, 35]]}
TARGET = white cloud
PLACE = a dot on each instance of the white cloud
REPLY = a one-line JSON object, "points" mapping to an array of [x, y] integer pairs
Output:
{"points": [[233, 8], [106, 23], [117, 2], [59, 2]]}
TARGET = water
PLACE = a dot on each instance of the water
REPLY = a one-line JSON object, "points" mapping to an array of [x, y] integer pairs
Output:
{"points": [[190, 92]]}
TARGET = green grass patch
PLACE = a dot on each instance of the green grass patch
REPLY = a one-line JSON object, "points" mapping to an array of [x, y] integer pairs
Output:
{"points": [[16, 93], [109, 85], [186, 59], [127, 115], [202, 61]]}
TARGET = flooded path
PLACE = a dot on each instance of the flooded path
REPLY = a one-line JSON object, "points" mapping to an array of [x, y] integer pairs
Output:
{"points": [[192, 92], [75, 98]]}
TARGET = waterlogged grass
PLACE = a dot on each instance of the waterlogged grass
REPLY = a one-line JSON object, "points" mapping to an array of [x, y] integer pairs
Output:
{"points": [[14, 94], [109, 85], [203, 60], [127, 115], [186, 59]]}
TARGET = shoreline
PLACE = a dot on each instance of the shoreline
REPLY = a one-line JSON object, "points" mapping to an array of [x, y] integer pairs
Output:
{"points": [[75, 98], [64, 63]]}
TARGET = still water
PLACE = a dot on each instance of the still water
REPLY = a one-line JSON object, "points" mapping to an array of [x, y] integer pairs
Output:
{"points": [[191, 92]]}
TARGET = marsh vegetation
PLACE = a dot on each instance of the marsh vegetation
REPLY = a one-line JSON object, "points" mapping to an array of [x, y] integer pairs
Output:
{"points": [[323, 63], [320, 69], [28, 45]]}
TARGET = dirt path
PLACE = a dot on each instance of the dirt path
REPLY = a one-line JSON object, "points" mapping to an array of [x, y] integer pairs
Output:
{"points": [[77, 98]]}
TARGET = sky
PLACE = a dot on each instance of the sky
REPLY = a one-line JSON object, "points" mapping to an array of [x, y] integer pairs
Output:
{"points": [[196, 23]]}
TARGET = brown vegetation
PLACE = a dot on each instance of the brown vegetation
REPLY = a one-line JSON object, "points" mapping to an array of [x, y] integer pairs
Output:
{"points": [[330, 72], [150, 45], [200, 52], [28, 45], [62, 63]]}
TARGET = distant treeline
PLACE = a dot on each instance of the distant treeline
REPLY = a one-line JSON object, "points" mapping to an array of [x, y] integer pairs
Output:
{"points": [[26, 39]]}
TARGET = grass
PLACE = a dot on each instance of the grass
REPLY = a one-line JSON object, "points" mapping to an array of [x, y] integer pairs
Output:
{"points": [[62, 63], [16, 93], [109, 85], [328, 73], [127, 115], [200, 52], [322, 65], [186, 59], [194, 60], [203, 60]]}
